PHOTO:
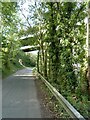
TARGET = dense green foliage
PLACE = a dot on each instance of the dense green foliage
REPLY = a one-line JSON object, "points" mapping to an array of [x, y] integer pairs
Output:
{"points": [[62, 56], [60, 32], [11, 53], [28, 60], [8, 36]]}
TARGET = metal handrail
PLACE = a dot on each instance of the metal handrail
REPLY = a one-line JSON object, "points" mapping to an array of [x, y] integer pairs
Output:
{"points": [[66, 105]]}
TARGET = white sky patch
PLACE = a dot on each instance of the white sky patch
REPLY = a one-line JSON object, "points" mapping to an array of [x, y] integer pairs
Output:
{"points": [[25, 5], [24, 12], [24, 9]]}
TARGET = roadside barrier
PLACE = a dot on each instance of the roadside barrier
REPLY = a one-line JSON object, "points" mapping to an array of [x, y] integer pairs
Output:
{"points": [[66, 105]]}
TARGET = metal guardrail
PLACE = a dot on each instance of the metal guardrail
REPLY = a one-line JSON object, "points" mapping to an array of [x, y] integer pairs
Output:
{"points": [[66, 105]]}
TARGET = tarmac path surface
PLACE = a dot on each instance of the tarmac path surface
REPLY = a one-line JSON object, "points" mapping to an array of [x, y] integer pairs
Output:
{"points": [[19, 96]]}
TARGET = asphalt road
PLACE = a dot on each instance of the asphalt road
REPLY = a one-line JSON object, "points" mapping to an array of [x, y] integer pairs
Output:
{"points": [[19, 96]]}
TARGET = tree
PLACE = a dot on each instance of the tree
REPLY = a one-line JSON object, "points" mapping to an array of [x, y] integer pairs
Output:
{"points": [[88, 39], [10, 44]]}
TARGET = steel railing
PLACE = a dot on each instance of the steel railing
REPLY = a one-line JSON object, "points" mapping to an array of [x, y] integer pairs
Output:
{"points": [[66, 105]]}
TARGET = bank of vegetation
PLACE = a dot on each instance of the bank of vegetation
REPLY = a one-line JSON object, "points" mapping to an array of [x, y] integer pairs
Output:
{"points": [[59, 30]]}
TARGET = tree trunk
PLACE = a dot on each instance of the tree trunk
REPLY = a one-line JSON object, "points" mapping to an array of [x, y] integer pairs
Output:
{"points": [[42, 57], [45, 64], [40, 68], [38, 61], [49, 68], [88, 39]]}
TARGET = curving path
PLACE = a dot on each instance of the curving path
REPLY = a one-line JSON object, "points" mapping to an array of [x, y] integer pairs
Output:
{"points": [[19, 96]]}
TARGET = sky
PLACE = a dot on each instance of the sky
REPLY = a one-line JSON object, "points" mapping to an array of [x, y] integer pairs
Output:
{"points": [[24, 8], [25, 11]]}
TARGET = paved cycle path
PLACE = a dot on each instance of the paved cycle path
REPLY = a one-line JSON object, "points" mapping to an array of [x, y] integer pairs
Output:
{"points": [[19, 96]]}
